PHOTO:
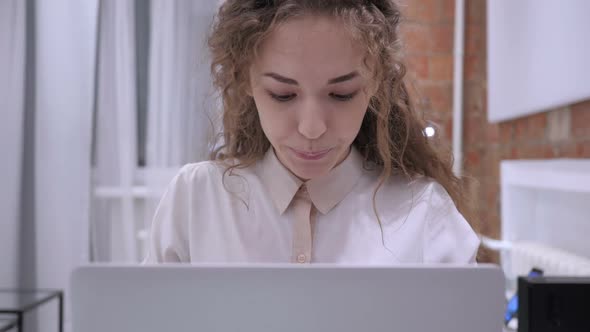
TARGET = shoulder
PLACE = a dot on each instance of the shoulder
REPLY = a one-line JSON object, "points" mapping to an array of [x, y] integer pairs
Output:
{"points": [[203, 172], [214, 177], [434, 194], [430, 197], [200, 171], [449, 236], [402, 199], [417, 191], [188, 178]]}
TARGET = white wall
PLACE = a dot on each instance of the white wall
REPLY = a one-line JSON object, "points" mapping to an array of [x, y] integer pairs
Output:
{"points": [[12, 57], [538, 53]]}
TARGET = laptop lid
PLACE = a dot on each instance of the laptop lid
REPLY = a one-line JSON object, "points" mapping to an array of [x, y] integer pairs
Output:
{"points": [[288, 298]]}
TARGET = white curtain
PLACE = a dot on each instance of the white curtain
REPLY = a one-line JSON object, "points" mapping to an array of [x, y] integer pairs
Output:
{"points": [[49, 86], [180, 93], [64, 93], [12, 80], [65, 56], [62, 98], [179, 102], [115, 165], [47, 52]]}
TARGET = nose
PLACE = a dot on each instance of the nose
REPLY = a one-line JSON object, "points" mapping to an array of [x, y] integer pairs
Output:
{"points": [[312, 122]]}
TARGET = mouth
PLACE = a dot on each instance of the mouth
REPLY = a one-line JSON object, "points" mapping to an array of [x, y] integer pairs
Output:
{"points": [[311, 155]]}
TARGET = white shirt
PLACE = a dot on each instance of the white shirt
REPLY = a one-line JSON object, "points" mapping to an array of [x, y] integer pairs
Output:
{"points": [[246, 217]]}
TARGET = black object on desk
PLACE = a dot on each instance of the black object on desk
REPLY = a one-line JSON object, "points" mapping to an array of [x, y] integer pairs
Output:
{"points": [[20, 301], [7, 323], [553, 304]]}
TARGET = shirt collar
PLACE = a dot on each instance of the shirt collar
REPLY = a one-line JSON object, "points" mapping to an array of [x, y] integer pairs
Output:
{"points": [[325, 192]]}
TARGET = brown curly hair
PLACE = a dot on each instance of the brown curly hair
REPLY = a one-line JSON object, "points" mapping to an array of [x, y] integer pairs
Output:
{"points": [[391, 135]]}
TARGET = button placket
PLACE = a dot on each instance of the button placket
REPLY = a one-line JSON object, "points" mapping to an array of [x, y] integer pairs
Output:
{"points": [[302, 237]]}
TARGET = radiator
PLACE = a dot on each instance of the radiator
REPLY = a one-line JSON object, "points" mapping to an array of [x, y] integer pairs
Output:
{"points": [[553, 261]]}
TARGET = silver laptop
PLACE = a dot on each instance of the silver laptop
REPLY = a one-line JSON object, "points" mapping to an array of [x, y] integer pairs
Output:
{"points": [[287, 298]]}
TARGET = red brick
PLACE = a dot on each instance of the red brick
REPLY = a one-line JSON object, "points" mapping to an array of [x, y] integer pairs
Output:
{"points": [[421, 11], [492, 196], [475, 40], [484, 99], [506, 132], [473, 162], [537, 126], [474, 67], [532, 151], [448, 129], [580, 119], [441, 67], [473, 99], [492, 133], [418, 66], [472, 132], [488, 198], [566, 150], [495, 223], [447, 12], [520, 130], [549, 151], [530, 129], [439, 96], [435, 117], [442, 38], [413, 90], [475, 11], [505, 152], [491, 163], [417, 38], [583, 149]]}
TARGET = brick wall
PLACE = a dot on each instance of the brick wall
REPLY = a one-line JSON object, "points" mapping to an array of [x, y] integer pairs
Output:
{"points": [[428, 39], [557, 133]]}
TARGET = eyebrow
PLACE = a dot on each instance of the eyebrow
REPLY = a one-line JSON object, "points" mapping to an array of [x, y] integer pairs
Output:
{"points": [[291, 81]]}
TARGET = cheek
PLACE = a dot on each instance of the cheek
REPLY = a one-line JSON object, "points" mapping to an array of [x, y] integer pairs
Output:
{"points": [[276, 124], [348, 123]]}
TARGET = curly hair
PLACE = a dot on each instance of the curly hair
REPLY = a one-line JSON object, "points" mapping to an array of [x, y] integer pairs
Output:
{"points": [[391, 134]]}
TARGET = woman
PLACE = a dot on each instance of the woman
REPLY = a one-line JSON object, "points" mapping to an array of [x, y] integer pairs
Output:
{"points": [[323, 158]]}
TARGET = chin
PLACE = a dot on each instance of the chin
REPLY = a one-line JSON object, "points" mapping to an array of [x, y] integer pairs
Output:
{"points": [[307, 170], [309, 174]]}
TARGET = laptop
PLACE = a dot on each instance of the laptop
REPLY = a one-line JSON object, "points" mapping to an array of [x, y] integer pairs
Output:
{"points": [[287, 298]]}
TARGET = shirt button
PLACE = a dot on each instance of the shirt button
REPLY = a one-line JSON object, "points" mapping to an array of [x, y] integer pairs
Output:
{"points": [[301, 258]]}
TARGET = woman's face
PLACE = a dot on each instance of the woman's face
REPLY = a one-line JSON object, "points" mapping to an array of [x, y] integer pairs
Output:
{"points": [[311, 93]]}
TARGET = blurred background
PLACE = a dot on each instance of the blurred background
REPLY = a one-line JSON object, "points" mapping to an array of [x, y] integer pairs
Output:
{"points": [[102, 101]]}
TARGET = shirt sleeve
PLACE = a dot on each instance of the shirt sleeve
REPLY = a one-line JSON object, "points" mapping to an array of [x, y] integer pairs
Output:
{"points": [[168, 241], [449, 237]]}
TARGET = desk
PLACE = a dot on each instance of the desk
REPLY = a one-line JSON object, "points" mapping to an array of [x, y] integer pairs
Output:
{"points": [[17, 302]]}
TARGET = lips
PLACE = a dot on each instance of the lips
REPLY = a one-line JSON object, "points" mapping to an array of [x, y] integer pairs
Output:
{"points": [[311, 155]]}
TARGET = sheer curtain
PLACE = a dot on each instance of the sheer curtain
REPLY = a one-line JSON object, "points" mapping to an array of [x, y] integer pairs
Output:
{"points": [[12, 67], [115, 144], [180, 93], [74, 188], [70, 130], [179, 104], [47, 52], [64, 84]]}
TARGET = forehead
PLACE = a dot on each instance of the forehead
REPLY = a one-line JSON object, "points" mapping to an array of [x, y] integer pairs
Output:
{"points": [[310, 46]]}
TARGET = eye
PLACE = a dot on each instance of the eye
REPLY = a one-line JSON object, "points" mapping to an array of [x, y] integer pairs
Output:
{"points": [[282, 98], [340, 97]]}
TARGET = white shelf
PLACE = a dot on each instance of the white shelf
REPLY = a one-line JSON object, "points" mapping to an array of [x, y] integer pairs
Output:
{"points": [[572, 175], [546, 202]]}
